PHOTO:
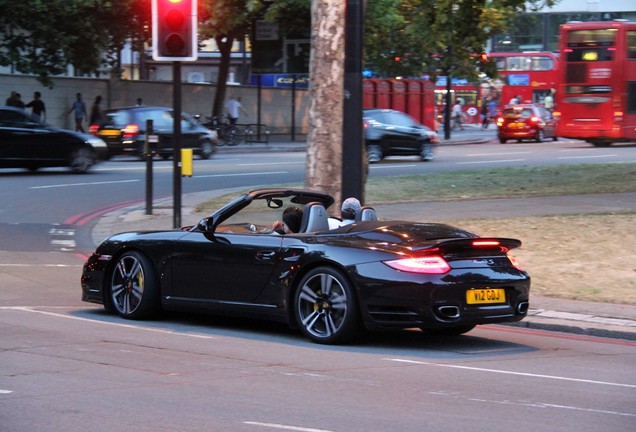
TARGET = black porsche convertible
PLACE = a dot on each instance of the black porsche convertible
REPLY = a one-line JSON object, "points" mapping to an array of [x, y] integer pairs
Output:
{"points": [[330, 284]]}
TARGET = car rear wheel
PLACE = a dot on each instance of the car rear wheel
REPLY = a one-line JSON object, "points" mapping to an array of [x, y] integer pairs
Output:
{"points": [[447, 331], [325, 307], [133, 291], [82, 159], [374, 153], [540, 135], [207, 150], [503, 140]]}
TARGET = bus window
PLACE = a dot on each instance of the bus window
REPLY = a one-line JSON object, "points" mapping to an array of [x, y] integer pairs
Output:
{"points": [[631, 44]]}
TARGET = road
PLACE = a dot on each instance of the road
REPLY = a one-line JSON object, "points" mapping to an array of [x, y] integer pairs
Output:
{"points": [[67, 366]]}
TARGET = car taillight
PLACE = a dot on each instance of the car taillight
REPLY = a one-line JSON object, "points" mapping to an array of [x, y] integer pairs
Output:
{"points": [[428, 264], [366, 124], [93, 129], [500, 121], [130, 130], [514, 262], [535, 119]]}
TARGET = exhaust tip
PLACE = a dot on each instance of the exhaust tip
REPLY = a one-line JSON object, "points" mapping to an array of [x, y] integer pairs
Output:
{"points": [[451, 312], [522, 308]]}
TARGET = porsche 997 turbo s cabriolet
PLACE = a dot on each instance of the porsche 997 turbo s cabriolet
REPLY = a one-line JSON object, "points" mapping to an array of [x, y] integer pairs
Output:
{"points": [[330, 284]]}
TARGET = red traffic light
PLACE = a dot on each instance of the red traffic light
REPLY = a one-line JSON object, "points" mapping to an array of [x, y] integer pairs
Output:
{"points": [[174, 30]]}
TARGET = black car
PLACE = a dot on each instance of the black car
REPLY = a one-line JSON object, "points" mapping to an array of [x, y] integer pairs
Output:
{"points": [[328, 283], [124, 130], [389, 132], [28, 143]]}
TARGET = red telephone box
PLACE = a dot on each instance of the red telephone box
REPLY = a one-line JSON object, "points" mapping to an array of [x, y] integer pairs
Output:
{"points": [[414, 99], [368, 93], [398, 94], [382, 93]]}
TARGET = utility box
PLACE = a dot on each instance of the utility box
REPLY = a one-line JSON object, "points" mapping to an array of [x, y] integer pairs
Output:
{"points": [[186, 162]]}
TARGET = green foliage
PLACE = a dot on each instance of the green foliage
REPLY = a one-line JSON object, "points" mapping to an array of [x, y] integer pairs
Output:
{"points": [[42, 37]]}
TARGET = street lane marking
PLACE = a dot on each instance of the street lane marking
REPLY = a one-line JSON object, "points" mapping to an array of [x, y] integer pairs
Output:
{"points": [[242, 174], [83, 184], [130, 326], [41, 265], [271, 163], [490, 161], [5, 391], [554, 377], [499, 154], [374, 167], [286, 427], [586, 157]]}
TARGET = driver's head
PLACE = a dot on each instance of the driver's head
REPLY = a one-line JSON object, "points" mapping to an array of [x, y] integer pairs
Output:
{"points": [[292, 217], [349, 208]]}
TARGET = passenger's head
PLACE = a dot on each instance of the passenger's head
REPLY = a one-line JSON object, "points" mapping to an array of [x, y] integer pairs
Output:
{"points": [[292, 216], [349, 208]]}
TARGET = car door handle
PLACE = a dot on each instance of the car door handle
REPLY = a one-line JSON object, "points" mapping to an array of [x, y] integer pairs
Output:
{"points": [[265, 255]]}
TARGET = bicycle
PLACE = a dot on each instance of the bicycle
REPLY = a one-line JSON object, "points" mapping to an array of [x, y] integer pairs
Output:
{"points": [[228, 133]]}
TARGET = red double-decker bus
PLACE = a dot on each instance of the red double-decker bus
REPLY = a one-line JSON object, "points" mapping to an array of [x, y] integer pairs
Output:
{"points": [[596, 97], [531, 76]]}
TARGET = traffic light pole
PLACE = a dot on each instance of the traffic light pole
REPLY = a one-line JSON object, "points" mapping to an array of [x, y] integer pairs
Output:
{"points": [[176, 147]]}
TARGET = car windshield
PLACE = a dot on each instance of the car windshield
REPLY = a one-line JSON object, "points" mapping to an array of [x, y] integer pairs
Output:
{"points": [[512, 113]]}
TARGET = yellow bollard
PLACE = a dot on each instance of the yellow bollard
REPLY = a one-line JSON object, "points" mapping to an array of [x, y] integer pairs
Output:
{"points": [[186, 162]]}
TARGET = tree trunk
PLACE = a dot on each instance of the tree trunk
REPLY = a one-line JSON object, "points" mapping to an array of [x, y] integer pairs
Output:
{"points": [[324, 139], [225, 47]]}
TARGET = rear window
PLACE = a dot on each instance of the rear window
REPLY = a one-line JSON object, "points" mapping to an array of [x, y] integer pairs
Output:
{"points": [[513, 114]]}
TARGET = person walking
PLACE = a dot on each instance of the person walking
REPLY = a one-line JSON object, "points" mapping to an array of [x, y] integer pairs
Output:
{"points": [[457, 116], [96, 111], [38, 109], [493, 110], [485, 121], [79, 112], [233, 109]]}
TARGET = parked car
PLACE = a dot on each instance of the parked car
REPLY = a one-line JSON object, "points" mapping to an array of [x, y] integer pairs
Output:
{"points": [[28, 143], [329, 284], [526, 122], [124, 130], [389, 132]]}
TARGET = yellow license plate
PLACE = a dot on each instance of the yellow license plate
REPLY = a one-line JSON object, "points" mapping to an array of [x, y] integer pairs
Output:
{"points": [[485, 296], [107, 132], [516, 125]]}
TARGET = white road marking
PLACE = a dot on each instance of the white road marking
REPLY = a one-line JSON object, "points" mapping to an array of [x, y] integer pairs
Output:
{"points": [[82, 184], [374, 167], [490, 161], [5, 391], [499, 154], [270, 163], [587, 157], [285, 427], [130, 326], [242, 174], [554, 377]]}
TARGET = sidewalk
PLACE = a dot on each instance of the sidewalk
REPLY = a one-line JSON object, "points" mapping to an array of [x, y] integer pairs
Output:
{"points": [[583, 318]]}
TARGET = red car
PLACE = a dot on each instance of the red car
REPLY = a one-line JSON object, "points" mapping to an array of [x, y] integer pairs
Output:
{"points": [[526, 122]]}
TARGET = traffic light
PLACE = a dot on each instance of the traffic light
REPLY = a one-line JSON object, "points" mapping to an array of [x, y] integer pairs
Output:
{"points": [[174, 30]]}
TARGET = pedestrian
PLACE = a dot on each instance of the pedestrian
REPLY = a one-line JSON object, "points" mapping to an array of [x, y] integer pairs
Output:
{"points": [[14, 100], [548, 101], [233, 108], [492, 110], [515, 100], [96, 111], [457, 115], [484, 114], [139, 102], [79, 112], [38, 110]]}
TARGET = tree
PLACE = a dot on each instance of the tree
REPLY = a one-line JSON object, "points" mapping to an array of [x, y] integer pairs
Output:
{"points": [[324, 142], [43, 37]]}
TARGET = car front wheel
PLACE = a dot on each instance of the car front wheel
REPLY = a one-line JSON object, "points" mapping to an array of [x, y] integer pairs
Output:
{"points": [[82, 159], [374, 153], [132, 290], [540, 135], [427, 152], [207, 150], [325, 307]]}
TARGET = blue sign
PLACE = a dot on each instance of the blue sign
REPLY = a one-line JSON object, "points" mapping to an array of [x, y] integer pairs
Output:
{"points": [[518, 80], [281, 80]]}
